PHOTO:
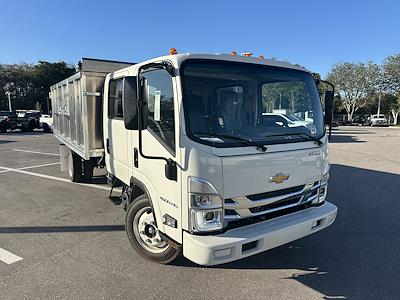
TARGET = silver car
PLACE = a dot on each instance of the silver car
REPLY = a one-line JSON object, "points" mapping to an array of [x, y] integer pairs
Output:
{"points": [[378, 120]]}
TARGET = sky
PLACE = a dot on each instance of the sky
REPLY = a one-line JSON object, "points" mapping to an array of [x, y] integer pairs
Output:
{"points": [[315, 34]]}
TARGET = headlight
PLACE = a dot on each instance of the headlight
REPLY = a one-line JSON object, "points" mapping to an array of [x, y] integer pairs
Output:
{"points": [[205, 211]]}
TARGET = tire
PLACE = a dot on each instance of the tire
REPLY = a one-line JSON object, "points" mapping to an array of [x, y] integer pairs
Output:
{"points": [[140, 211], [87, 170], [31, 127], [75, 167], [46, 128], [3, 128]]}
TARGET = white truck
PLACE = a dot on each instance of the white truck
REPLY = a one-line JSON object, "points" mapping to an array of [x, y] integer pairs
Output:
{"points": [[202, 169]]}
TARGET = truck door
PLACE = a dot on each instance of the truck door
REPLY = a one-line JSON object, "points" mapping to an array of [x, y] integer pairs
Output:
{"points": [[116, 136], [160, 139]]}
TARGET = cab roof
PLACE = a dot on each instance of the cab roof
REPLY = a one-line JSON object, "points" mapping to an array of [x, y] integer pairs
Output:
{"points": [[178, 59]]}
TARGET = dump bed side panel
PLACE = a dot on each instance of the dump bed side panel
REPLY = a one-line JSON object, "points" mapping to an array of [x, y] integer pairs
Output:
{"points": [[77, 107]]}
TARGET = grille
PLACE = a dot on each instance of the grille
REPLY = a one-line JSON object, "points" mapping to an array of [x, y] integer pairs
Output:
{"points": [[275, 193], [263, 206], [276, 204]]}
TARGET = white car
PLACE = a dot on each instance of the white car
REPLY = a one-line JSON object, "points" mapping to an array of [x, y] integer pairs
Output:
{"points": [[46, 122], [291, 120], [378, 120]]}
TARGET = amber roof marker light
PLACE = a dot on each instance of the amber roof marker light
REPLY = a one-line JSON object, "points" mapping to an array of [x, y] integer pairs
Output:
{"points": [[173, 51], [261, 57], [248, 54], [233, 53]]}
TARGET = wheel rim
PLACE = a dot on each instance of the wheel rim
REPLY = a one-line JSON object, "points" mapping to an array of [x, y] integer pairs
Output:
{"points": [[146, 232]]}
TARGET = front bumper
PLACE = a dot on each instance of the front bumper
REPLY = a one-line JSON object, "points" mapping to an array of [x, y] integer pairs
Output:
{"points": [[249, 240]]}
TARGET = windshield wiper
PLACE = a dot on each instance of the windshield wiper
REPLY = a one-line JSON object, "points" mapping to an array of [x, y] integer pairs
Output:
{"points": [[248, 142], [309, 136]]}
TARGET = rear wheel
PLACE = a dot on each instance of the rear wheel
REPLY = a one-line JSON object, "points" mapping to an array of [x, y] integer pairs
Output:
{"points": [[74, 167], [143, 233], [3, 128], [88, 170]]}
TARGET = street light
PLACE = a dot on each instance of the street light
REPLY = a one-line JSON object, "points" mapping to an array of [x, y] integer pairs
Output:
{"points": [[9, 101]]}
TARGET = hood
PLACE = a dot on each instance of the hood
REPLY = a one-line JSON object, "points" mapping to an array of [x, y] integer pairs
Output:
{"points": [[251, 174]]}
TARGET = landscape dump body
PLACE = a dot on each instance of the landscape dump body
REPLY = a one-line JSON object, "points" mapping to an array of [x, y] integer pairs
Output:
{"points": [[77, 107]]}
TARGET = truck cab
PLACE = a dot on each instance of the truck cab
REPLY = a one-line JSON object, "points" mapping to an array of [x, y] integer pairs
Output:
{"points": [[204, 166]]}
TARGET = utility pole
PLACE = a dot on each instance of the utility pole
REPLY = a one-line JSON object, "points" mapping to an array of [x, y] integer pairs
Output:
{"points": [[9, 101], [379, 104]]}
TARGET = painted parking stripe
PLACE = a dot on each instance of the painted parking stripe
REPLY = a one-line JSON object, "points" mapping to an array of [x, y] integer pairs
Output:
{"points": [[36, 152], [32, 167], [57, 179], [8, 257]]}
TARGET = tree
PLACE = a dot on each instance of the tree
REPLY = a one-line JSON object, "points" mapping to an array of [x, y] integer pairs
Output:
{"points": [[391, 68], [46, 74], [29, 84], [353, 83]]}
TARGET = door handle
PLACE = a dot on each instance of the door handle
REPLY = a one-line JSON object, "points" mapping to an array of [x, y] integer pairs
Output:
{"points": [[136, 157], [108, 146]]}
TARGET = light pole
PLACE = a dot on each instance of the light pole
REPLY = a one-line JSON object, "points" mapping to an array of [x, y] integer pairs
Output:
{"points": [[9, 101]]}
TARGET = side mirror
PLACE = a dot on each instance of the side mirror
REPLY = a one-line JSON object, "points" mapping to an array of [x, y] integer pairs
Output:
{"points": [[135, 111], [328, 107]]}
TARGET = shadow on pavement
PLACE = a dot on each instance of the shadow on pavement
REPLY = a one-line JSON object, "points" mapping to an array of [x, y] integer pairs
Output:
{"points": [[344, 137], [358, 256], [60, 229], [6, 141]]}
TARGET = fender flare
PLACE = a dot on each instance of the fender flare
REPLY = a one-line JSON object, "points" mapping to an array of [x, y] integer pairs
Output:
{"points": [[136, 182]]}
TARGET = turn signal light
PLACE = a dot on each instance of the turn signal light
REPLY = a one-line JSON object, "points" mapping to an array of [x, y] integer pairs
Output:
{"points": [[172, 51]]}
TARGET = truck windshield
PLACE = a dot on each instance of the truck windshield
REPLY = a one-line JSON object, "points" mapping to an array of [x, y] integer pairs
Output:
{"points": [[264, 104]]}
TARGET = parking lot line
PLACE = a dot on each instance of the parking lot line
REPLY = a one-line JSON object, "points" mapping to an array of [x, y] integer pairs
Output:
{"points": [[32, 167], [36, 152], [8, 257], [55, 178]]}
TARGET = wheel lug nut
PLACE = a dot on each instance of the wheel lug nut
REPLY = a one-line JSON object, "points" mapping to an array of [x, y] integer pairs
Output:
{"points": [[141, 232], [156, 241], [149, 241]]}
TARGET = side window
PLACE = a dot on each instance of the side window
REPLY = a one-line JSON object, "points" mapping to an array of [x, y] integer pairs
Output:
{"points": [[115, 91], [157, 91]]}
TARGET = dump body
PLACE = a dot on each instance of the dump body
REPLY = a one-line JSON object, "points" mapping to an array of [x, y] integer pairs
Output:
{"points": [[77, 107]]}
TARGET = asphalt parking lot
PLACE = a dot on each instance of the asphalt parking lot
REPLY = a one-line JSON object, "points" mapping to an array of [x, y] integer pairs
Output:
{"points": [[72, 241]]}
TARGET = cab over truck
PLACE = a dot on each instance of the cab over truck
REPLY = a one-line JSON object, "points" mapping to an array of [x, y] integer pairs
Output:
{"points": [[205, 167]]}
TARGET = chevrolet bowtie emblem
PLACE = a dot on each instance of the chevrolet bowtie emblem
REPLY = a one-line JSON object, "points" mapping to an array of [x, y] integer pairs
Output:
{"points": [[279, 178]]}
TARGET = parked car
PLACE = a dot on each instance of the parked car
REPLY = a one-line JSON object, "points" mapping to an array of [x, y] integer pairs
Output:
{"points": [[359, 121], [378, 120], [8, 120], [46, 122], [28, 120], [285, 119]]}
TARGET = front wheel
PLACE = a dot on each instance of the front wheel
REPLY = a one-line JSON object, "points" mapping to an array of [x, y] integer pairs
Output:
{"points": [[143, 233]]}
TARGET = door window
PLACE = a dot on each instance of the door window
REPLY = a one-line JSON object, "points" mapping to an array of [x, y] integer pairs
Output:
{"points": [[157, 91], [115, 91]]}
